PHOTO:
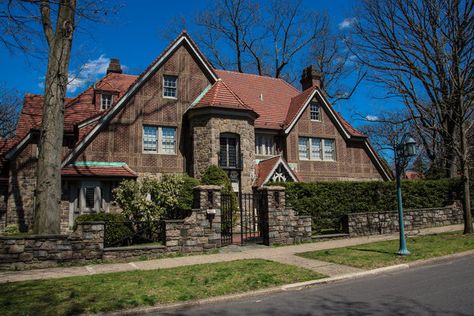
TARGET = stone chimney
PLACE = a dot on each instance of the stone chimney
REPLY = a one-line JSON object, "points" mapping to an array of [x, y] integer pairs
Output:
{"points": [[114, 66], [310, 78]]}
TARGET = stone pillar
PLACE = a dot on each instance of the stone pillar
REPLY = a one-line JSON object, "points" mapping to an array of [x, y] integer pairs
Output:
{"points": [[202, 230], [284, 227]]}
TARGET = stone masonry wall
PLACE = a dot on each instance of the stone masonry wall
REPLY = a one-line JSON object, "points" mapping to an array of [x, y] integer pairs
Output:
{"points": [[206, 131], [85, 243], [284, 226], [362, 224], [197, 232]]}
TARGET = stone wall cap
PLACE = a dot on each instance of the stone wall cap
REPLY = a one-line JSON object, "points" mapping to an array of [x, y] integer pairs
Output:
{"points": [[174, 220], [406, 210], [208, 187], [273, 188], [35, 237], [91, 223]]}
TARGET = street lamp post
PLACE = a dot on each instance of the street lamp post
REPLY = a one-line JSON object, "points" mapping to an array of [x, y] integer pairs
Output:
{"points": [[406, 149]]}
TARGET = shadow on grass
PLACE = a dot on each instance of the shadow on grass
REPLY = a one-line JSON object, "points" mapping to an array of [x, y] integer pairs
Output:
{"points": [[373, 250]]}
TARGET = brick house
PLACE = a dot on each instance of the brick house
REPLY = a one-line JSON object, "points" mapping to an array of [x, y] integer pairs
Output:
{"points": [[180, 116]]}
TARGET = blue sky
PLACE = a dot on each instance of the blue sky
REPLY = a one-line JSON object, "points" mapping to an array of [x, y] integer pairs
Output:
{"points": [[135, 37]]}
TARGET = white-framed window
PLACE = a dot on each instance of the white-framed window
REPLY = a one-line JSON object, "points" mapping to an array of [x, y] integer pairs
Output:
{"points": [[315, 111], [170, 86], [329, 149], [159, 139], [105, 101], [311, 148], [264, 145]]}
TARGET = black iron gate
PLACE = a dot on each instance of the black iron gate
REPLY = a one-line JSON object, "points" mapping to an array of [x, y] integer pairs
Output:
{"points": [[244, 219]]}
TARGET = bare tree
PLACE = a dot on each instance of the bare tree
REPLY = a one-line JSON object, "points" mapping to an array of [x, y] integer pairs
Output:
{"points": [[423, 52], [56, 21], [234, 22], [336, 64], [10, 104]]}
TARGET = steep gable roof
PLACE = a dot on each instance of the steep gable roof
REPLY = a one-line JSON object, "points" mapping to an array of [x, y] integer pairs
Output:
{"points": [[182, 39], [267, 167], [269, 97], [220, 95]]}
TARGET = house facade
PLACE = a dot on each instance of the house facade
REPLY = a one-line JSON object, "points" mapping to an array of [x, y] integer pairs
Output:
{"points": [[180, 116]]}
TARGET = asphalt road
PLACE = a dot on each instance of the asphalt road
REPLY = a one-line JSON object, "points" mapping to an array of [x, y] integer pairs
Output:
{"points": [[439, 289]]}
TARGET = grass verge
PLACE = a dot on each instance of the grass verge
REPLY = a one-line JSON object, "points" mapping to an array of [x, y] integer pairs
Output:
{"points": [[113, 291], [381, 254]]}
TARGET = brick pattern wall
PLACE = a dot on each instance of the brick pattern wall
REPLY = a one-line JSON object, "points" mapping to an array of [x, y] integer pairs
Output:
{"points": [[362, 224], [352, 160], [21, 186], [122, 139], [34, 251], [284, 226], [196, 233]]}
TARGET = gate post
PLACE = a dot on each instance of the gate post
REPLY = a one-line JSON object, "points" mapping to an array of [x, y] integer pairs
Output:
{"points": [[284, 226]]}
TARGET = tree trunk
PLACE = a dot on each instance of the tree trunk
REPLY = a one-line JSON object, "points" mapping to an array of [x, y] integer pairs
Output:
{"points": [[468, 228], [48, 187]]}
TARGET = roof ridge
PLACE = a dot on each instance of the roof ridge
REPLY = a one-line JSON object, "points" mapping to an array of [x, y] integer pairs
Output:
{"points": [[235, 95]]}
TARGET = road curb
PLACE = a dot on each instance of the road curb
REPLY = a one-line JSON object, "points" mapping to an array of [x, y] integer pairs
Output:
{"points": [[287, 287], [233, 297]]}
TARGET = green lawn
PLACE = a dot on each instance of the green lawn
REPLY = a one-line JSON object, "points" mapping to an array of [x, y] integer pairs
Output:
{"points": [[112, 291], [380, 254]]}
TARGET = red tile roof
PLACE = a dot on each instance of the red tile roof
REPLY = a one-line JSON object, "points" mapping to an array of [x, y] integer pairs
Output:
{"points": [[221, 96], [77, 109], [264, 168], [269, 97], [99, 171]]}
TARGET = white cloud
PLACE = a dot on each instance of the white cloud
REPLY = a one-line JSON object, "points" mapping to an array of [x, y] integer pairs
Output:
{"points": [[372, 118], [89, 72], [347, 23]]}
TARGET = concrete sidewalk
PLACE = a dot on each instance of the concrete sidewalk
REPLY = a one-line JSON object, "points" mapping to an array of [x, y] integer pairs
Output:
{"points": [[285, 254]]}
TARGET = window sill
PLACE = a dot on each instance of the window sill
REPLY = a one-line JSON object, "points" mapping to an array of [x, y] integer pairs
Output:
{"points": [[158, 153], [170, 98]]}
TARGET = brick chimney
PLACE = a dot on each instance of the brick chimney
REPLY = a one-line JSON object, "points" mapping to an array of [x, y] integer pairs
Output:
{"points": [[310, 78], [114, 66]]}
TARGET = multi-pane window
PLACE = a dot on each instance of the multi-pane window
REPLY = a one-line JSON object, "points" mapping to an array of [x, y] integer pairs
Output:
{"points": [[168, 140], [89, 196], [229, 151], [160, 140], [311, 148], [329, 149], [315, 111], [150, 138], [170, 86], [264, 145], [105, 101]]}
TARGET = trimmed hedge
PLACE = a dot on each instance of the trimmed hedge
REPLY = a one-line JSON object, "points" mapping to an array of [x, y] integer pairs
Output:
{"points": [[118, 229], [328, 202]]}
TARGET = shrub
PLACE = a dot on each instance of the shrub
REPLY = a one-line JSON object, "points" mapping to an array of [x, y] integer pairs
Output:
{"points": [[11, 229], [118, 229], [214, 175], [170, 197], [328, 202]]}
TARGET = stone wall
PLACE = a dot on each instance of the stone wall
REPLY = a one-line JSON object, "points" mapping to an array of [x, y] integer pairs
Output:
{"points": [[137, 252], [284, 226], [200, 231], [85, 243], [362, 224]]}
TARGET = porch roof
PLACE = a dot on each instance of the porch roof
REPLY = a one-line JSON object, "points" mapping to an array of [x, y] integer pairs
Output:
{"points": [[98, 169]]}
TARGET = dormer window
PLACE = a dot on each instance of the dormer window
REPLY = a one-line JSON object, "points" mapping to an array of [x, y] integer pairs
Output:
{"points": [[105, 101], [170, 86], [315, 111]]}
